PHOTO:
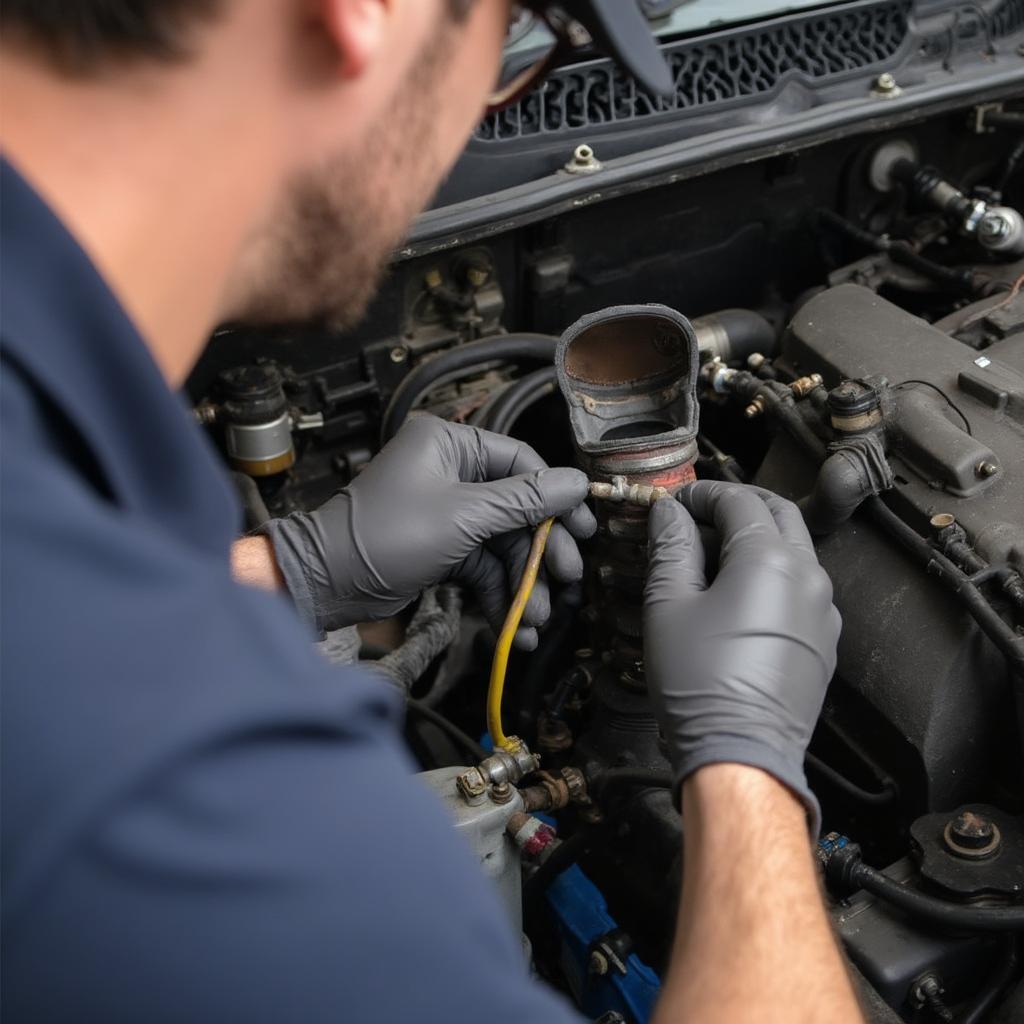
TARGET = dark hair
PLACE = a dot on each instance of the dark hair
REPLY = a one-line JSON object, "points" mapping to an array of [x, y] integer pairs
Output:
{"points": [[79, 35]]}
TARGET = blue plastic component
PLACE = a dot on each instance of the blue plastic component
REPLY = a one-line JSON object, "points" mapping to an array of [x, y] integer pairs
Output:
{"points": [[582, 917]]}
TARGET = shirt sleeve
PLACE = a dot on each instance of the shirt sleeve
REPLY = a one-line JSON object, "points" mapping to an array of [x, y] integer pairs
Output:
{"points": [[202, 820]]}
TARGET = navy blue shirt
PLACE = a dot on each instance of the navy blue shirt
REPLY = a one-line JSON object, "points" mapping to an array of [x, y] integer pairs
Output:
{"points": [[202, 821]]}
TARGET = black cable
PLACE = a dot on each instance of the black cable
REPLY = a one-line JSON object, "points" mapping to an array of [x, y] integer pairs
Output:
{"points": [[517, 397], [978, 1008], [947, 399], [955, 916], [1009, 642], [962, 281], [864, 796], [506, 347], [464, 740]]}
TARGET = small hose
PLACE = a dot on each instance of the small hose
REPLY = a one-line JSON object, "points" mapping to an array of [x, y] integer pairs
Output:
{"points": [[505, 347], [518, 397], [865, 796], [450, 729], [956, 916], [502, 649]]}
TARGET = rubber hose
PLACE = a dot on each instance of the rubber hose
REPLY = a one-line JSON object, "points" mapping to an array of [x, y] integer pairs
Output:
{"points": [[865, 796], [464, 740], [506, 347], [956, 916], [518, 397], [734, 334]]}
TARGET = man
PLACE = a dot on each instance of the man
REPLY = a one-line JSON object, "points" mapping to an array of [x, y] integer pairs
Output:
{"points": [[200, 820]]}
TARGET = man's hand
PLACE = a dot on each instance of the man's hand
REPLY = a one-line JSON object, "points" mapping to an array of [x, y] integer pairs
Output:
{"points": [[441, 501], [738, 667]]}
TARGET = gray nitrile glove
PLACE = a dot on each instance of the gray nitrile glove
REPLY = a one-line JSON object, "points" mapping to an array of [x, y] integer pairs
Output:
{"points": [[738, 667], [441, 501]]}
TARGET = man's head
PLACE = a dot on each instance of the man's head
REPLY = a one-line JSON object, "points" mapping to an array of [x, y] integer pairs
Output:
{"points": [[367, 104]]}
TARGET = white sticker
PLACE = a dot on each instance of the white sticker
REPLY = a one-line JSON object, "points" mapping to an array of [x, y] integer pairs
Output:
{"points": [[983, 361]]}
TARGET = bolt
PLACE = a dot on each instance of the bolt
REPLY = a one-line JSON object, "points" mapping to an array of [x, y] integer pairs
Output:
{"points": [[885, 82], [755, 408], [992, 227], [501, 792], [471, 785], [755, 361], [970, 834], [583, 161], [986, 468], [399, 354], [598, 963]]}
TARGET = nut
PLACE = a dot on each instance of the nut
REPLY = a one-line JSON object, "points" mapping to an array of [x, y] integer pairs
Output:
{"points": [[502, 792], [399, 354], [583, 161], [755, 408], [885, 85], [971, 835], [986, 469], [598, 963]]}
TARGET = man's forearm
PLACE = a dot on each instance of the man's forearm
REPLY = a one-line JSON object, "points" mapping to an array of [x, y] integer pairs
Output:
{"points": [[253, 563], [753, 941]]}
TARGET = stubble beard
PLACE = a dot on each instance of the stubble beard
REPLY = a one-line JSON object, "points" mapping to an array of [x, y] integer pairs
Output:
{"points": [[324, 254]]}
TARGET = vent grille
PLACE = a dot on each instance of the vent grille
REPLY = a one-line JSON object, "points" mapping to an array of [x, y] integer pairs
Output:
{"points": [[731, 66], [1009, 18]]}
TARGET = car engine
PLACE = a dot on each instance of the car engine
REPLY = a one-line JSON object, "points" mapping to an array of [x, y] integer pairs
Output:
{"points": [[816, 259]]}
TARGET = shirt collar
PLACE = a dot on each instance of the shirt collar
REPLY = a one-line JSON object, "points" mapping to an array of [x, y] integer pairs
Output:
{"points": [[64, 326]]}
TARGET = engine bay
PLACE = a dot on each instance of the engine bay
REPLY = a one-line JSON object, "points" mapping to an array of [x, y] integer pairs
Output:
{"points": [[840, 321]]}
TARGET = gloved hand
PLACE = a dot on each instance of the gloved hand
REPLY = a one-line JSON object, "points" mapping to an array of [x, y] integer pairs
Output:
{"points": [[441, 501], [738, 667]]}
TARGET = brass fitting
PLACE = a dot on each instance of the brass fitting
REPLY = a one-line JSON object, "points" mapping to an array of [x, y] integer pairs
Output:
{"points": [[755, 408], [805, 385]]}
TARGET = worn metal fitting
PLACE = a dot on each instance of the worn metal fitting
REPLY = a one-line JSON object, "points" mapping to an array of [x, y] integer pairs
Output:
{"points": [[805, 385], [598, 963], [631, 494], [942, 521], [477, 277], [509, 765], [755, 361], [885, 85], [206, 414], [986, 469], [972, 836], [399, 354], [502, 792], [472, 786], [583, 161], [755, 408], [717, 375], [553, 735], [576, 782], [433, 279], [532, 836]]}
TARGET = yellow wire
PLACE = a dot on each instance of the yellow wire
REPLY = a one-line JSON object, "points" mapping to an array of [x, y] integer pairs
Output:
{"points": [[508, 631]]}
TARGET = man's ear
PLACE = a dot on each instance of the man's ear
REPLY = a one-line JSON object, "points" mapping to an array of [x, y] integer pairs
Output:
{"points": [[358, 29]]}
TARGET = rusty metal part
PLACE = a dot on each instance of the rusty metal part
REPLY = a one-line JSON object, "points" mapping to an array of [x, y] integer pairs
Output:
{"points": [[972, 836], [553, 735], [755, 408], [802, 387], [554, 792], [503, 766], [620, 491], [536, 840]]}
